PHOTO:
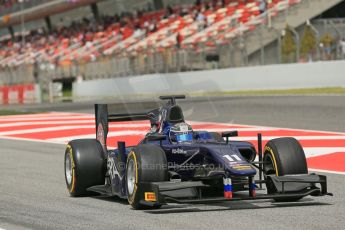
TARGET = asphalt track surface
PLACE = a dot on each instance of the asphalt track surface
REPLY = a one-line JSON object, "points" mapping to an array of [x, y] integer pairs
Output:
{"points": [[33, 193]]}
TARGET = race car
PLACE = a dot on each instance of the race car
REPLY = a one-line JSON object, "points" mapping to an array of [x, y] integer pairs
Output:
{"points": [[175, 164]]}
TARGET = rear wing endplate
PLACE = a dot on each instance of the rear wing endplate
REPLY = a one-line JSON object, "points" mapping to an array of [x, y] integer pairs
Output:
{"points": [[103, 116]]}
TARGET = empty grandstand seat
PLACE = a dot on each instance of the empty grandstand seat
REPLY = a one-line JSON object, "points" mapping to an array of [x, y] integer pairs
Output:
{"points": [[221, 24]]}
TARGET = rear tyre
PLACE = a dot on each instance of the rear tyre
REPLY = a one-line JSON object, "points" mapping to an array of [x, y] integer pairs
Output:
{"points": [[84, 166], [145, 163], [283, 156]]}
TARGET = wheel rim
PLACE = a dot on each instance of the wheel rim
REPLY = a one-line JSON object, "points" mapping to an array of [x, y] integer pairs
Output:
{"points": [[130, 176], [68, 169], [268, 165]]}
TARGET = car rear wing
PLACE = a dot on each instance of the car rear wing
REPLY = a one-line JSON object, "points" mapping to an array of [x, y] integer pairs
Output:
{"points": [[105, 114]]}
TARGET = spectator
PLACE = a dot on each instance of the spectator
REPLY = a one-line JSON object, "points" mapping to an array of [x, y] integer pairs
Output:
{"points": [[198, 3], [36, 71], [263, 6], [223, 3], [200, 17], [138, 32], [206, 23], [179, 39], [8, 3], [152, 26], [342, 47], [184, 11], [170, 10], [149, 7], [207, 6]]}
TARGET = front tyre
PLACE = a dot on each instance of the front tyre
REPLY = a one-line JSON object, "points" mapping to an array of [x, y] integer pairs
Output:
{"points": [[145, 163], [84, 166], [283, 156]]}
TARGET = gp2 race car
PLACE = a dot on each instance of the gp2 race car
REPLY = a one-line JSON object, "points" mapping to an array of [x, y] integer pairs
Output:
{"points": [[173, 163]]}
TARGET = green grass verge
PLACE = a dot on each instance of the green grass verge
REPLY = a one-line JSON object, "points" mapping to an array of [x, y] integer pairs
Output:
{"points": [[67, 93], [12, 112], [311, 91]]}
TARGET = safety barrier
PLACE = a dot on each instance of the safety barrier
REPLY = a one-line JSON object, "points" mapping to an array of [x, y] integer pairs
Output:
{"points": [[19, 94], [289, 76]]}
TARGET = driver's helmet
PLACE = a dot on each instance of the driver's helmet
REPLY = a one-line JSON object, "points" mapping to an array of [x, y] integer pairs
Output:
{"points": [[181, 132]]}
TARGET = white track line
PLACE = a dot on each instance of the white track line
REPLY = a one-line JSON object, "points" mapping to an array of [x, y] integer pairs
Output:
{"points": [[110, 134], [49, 118], [132, 132], [251, 129], [47, 123], [91, 121], [326, 171], [310, 130], [72, 123], [45, 118], [282, 128], [49, 114], [33, 140], [266, 138], [113, 147], [47, 129], [91, 126], [311, 152], [217, 123], [46, 115]]}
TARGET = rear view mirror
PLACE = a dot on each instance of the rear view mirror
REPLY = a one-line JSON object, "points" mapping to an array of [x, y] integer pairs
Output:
{"points": [[229, 134], [156, 137]]}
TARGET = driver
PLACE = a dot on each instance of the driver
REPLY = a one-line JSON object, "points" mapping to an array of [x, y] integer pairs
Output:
{"points": [[181, 132]]}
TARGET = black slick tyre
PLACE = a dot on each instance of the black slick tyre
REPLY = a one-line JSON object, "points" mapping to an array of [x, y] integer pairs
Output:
{"points": [[145, 163], [284, 156], [84, 166]]}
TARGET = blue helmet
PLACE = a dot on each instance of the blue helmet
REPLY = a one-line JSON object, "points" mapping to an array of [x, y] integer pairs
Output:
{"points": [[181, 132]]}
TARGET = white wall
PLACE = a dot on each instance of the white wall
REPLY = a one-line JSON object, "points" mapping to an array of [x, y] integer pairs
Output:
{"points": [[292, 76]]}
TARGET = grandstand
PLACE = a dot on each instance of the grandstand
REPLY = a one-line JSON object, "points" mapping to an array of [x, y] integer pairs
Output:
{"points": [[56, 40]]}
